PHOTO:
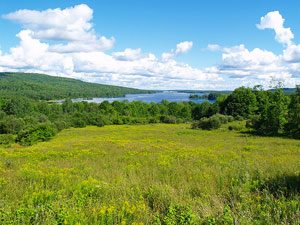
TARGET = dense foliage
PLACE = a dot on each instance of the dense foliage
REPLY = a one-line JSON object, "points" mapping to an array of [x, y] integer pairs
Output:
{"points": [[44, 87], [271, 112], [210, 96], [34, 121], [267, 112]]}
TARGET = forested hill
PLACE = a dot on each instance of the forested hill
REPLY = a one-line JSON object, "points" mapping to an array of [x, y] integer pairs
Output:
{"points": [[45, 87]]}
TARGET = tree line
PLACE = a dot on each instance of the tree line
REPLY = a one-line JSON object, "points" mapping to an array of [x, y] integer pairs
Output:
{"points": [[28, 121]]}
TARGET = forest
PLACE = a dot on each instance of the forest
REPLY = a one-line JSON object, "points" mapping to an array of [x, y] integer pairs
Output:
{"points": [[28, 121], [45, 87]]}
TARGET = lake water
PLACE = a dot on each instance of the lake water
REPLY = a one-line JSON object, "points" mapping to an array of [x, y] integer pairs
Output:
{"points": [[148, 98]]}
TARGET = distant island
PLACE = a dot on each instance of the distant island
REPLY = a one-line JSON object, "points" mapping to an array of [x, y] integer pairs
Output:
{"points": [[210, 96]]}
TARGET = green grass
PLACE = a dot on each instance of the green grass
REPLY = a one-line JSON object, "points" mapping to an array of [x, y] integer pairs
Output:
{"points": [[151, 174]]}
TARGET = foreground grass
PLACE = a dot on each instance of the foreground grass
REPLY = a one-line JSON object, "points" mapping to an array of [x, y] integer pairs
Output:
{"points": [[151, 174]]}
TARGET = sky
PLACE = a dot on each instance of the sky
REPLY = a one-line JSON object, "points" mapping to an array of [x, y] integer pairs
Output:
{"points": [[154, 44]]}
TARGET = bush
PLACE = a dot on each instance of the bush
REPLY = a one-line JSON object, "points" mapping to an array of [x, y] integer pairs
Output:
{"points": [[236, 126], [138, 120], [153, 120], [168, 119], [60, 125], [195, 124], [117, 120], [11, 124], [6, 139], [37, 133], [211, 123], [254, 122], [223, 119], [239, 118], [230, 119], [78, 123]]}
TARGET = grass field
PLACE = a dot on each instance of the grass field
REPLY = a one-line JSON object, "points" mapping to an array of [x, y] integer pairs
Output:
{"points": [[151, 174]]}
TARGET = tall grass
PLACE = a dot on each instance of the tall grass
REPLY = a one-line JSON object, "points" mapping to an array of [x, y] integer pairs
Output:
{"points": [[151, 174]]}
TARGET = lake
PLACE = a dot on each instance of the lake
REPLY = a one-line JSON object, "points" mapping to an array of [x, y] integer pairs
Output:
{"points": [[148, 98]]}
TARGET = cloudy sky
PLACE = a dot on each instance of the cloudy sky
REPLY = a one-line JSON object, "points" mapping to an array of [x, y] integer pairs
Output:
{"points": [[155, 44]]}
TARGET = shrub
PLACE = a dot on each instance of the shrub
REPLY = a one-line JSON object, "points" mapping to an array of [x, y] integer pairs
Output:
{"points": [[117, 120], [11, 124], [60, 125], [211, 123], [37, 133], [168, 119], [154, 120], [254, 122], [195, 124], [236, 126], [223, 119], [239, 118], [230, 118], [78, 122], [6, 139], [138, 120]]}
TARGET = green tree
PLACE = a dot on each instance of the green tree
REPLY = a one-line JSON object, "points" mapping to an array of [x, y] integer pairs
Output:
{"points": [[242, 102], [293, 125], [273, 112]]}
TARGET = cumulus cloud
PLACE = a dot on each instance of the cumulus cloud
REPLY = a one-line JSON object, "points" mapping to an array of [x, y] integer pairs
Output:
{"points": [[80, 58], [131, 55], [181, 48], [274, 20], [292, 54], [78, 52], [71, 25]]}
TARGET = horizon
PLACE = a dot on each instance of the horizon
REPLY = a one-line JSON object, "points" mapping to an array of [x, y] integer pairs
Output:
{"points": [[170, 45]]}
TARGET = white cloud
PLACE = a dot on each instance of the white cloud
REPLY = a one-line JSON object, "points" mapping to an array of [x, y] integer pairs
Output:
{"points": [[129, 54], [292, 54], [213, 47], [273, 20], [181, 48], [82, 55], [128, 68], [71, 24]]}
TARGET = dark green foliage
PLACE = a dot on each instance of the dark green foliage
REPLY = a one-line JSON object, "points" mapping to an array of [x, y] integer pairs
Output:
{"points": [[60, 125], [211, 123], [44, 87], [6, 139], [204, 109], [11, 124], [210, 96], [17, 106], [242, 102], [293, 126], [37, 133], [272, 113], [267, 113], [168, 119], [254, 122], [79, 120]]}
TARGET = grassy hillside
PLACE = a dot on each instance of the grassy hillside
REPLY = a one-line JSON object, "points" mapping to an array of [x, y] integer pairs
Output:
{"points": [[45, 87], [162, 174]]}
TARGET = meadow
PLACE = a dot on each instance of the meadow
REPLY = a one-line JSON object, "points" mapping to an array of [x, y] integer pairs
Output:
{"points": [[151, 174]]}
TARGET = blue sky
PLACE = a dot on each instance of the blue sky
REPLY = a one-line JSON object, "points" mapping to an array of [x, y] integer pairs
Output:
{"points": [[170, 44]]}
